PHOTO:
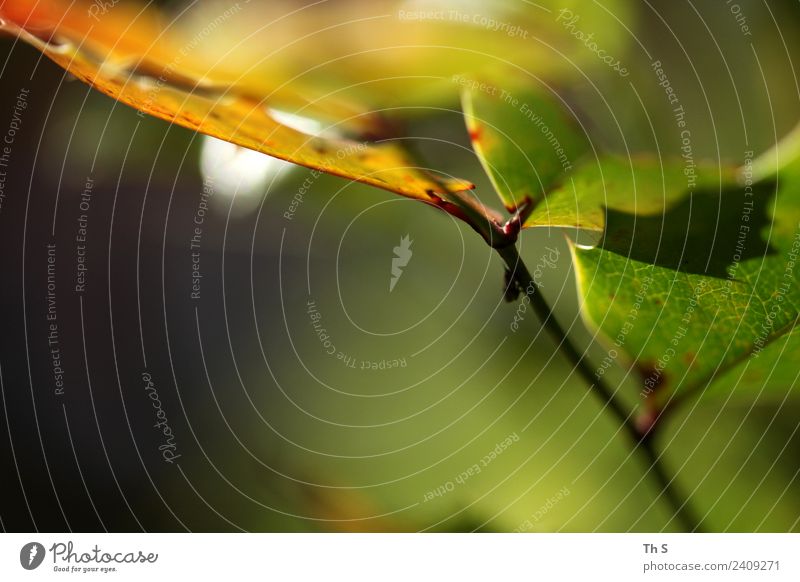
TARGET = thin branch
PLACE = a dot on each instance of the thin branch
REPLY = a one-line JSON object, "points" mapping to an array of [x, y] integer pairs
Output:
{"points": [[641, 440]]}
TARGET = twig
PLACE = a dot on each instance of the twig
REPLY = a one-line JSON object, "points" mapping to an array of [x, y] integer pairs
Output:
{"points": [[642, 439]]}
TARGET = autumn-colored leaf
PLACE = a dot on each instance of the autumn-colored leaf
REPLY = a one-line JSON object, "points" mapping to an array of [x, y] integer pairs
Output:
{"points": [[132, 57]]}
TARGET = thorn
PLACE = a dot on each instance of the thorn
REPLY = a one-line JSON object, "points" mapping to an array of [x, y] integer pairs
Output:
{"points": [[514, 224]]}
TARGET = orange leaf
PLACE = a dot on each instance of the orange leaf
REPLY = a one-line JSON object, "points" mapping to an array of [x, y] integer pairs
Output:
{"points": [[129, 55]]}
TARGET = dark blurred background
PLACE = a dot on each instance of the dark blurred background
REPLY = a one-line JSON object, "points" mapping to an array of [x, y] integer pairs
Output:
{"points": [[270, 432]]}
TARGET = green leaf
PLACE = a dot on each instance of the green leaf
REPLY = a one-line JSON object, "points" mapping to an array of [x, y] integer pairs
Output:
{"points": [[643, 186], [690, 276], [699, 290], [526, 141]]}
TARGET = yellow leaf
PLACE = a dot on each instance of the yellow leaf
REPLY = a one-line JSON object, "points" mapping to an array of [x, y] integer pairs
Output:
{"points": [[127, 53]]}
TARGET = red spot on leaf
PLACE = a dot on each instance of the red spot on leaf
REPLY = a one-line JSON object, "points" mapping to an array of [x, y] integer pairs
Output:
{"points": [[476, 133]]}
